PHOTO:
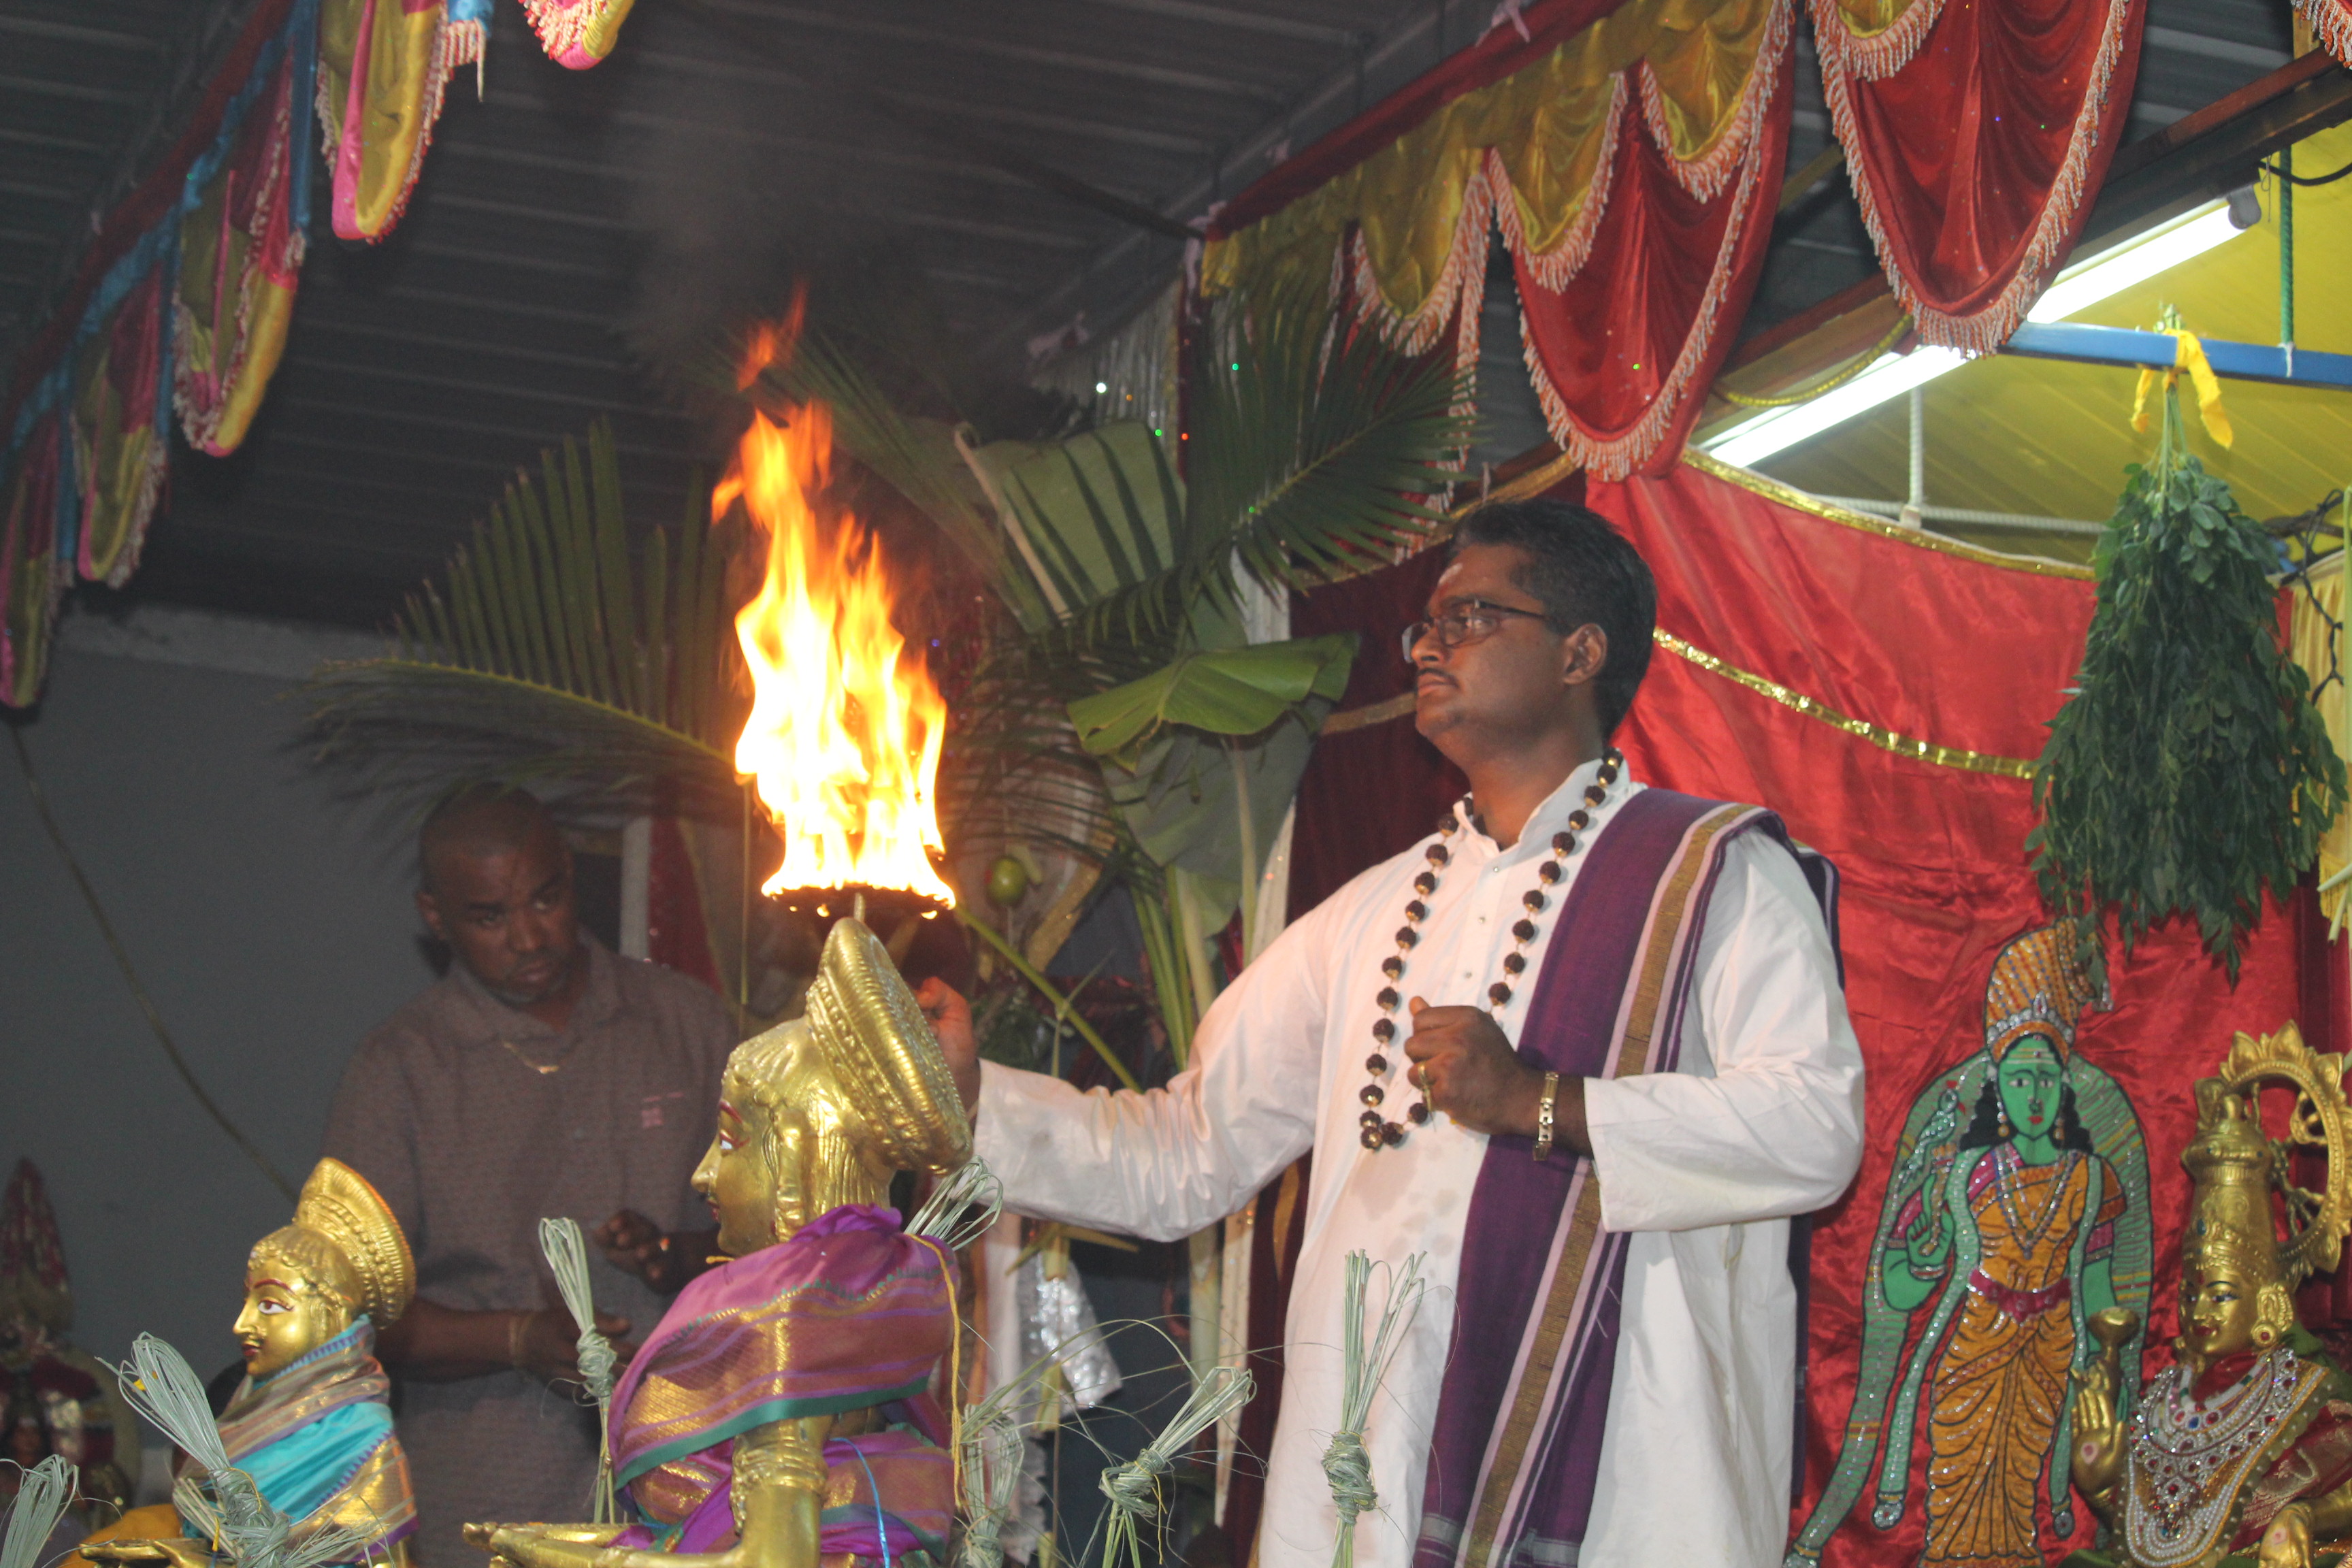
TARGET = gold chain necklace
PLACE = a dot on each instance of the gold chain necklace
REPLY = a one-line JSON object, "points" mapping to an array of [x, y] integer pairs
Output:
{"points": [[542, 1069], [1379, 1132]]}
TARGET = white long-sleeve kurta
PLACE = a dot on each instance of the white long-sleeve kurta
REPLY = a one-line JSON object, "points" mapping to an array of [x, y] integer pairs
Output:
{"points": [[1704, 1165]]}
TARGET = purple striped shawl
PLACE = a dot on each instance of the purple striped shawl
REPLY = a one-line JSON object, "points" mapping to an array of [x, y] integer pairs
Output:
{"points": [[850, 1313], [1516, 1449]]}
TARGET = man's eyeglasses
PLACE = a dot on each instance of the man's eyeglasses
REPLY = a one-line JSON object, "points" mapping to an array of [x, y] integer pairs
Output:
{"points": [[1466, 622]]}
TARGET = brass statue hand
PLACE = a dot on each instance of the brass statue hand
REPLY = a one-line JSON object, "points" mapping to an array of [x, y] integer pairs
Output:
{"points": [[2287, 1543], [2097, 1460], [176, 1550]]}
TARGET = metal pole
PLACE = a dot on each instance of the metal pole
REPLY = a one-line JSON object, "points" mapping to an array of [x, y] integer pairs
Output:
{"points": [[1915, 509], [2286, 255]]}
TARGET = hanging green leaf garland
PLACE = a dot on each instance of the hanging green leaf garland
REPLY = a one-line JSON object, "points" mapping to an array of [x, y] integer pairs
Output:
{"points": [[2191, 771]]}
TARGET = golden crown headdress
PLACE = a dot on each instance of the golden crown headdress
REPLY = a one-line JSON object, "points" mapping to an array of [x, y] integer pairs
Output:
{"points": [[2039, 986], [885, 1056], [2238, 1167], [338, 1204]]}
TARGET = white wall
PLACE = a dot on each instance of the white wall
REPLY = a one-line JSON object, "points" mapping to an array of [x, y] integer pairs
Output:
{"points": [[272, 924]]}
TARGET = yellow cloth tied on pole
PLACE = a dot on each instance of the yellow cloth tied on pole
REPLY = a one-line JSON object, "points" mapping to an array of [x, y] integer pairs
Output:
{"points": [[2187, 355]]}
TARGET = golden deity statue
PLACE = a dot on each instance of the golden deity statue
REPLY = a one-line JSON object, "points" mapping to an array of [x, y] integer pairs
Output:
{"points": [[309, 1423], [2241, 1453], [781, 1416]]}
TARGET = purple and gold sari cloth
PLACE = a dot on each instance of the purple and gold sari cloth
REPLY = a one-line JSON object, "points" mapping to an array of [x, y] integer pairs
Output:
{"points": [[1517, 1451], [851, 1313]]}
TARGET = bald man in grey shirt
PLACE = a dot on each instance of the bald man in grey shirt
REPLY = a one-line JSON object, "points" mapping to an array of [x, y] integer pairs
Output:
{"points": [[545, 1075]]}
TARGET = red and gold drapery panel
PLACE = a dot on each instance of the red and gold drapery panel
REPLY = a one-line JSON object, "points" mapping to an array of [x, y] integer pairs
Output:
{"points": [[1628, 157], [1976, 136], [1884, 691]]}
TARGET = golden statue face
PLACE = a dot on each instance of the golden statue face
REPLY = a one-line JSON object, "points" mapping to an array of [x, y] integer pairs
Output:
{"points": [[788, 1147], [2218, 1311], [286, 1315]]}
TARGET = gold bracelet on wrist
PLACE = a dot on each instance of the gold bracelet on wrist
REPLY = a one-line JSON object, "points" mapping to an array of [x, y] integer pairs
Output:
{"points": [[1545, 1109], [516, 1324]]}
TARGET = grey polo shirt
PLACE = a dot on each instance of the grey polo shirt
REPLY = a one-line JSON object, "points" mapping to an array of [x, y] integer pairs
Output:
{"points": [[446, 1109]]}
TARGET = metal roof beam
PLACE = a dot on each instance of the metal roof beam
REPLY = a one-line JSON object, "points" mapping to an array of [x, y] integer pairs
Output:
{"points": [[481, 388], [72, 33], [540, 440], [1261, 22], [463, 345], [46, 86], [2213, 49]]}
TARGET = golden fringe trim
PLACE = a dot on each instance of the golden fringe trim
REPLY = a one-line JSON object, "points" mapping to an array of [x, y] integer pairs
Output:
{"points": [[200, 416], [1844, 57], [1875, 56], [1613, 458], [1553, 269], [2333, 22], [1878, 736], [442, 59], [1704, 176]]}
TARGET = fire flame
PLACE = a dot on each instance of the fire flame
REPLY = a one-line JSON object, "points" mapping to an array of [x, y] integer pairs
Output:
{"points": [[845, 726]]}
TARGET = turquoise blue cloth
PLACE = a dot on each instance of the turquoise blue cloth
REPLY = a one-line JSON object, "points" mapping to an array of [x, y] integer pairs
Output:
{"points": [[298, 1472], [302, 1470]]}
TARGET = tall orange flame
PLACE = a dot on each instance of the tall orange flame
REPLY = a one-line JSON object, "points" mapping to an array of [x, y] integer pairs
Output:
{"points": [[845, 726]]}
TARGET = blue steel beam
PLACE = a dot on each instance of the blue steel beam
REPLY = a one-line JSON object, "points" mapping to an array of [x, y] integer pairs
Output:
{"points": [[2238, 361]]}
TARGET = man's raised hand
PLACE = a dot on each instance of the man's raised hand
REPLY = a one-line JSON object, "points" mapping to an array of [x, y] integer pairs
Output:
{"points": [[1468, 1069]]}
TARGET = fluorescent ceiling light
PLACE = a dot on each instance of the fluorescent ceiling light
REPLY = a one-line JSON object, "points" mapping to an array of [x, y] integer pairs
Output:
{"points": [[2076, 290], [2136, 260]]}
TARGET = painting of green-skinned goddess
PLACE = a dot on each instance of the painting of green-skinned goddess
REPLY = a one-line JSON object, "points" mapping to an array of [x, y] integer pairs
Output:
{"points": [[2017, 1209]]}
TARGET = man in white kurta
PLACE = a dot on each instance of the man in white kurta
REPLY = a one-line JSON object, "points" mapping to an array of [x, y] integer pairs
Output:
{"points": [[1704, 1166]]}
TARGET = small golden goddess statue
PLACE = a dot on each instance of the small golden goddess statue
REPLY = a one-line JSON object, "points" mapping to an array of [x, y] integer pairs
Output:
{"points": [[2241, 1453], [780, 1416], [309, 1423]]}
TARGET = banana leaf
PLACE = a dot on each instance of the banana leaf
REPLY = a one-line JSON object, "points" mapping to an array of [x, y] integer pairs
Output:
{"points": [[1224, 691]]}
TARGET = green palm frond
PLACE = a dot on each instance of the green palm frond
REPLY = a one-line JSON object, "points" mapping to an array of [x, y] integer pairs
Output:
{"points": [[1312, 451], [550, 652]]}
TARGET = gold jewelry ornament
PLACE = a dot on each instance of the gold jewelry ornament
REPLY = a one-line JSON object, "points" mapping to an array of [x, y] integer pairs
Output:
{"points": [[344, 1238], [2178, 1476], [337, 1202], [1545, 1109]]}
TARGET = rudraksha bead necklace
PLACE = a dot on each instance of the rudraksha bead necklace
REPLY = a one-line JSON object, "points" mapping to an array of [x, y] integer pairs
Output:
{"points": [[1379, 1132]]}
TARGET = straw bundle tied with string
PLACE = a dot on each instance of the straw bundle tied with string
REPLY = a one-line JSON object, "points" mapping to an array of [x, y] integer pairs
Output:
{"points": [[567, 1254], [40, 1502], [1134, 1488], [991, 1446], [971, 1184], [1346, 1465], [158, 1383]]}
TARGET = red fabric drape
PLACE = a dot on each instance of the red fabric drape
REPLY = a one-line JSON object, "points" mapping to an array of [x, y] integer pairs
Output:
{"points": [[1621, 350], [1977, 136], [1936, 644]]}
